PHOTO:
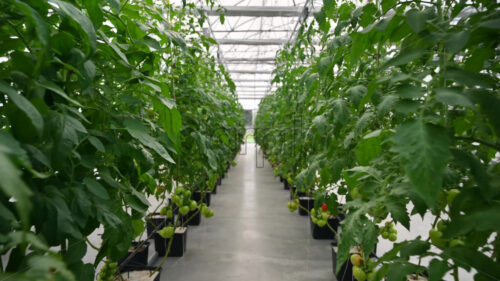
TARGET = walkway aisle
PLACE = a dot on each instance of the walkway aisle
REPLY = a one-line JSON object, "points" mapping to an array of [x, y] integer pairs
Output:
{"points": [[253, 236]]}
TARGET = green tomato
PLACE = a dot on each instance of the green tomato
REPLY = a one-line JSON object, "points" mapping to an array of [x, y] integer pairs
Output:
{"points": [[166, 232], [184, 210], [170, 214], [187, 193], [163, 211], [179, 190], [358, 273], [436, 237], [393, 230], [393, 237], [324, 215], [456, 242], [193, 205], [321, 223], [370, 275], [177, 200], [385, 234], [450, 195], [355, 193], [441, 226]]}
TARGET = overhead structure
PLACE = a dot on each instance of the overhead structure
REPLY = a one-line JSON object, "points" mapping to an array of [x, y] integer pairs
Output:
{"points": [[250, 37]]}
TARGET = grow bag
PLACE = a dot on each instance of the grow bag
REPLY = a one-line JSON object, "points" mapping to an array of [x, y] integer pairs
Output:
{"points": [[197, 196], [196, 220], [325, 232], [139, 273], [178, 244], [155, 221], [306, 202], [140, 251]]}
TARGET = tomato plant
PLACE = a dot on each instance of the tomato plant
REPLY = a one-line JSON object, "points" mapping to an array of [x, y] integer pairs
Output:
{"points": [[395, 112], [101, 105]]}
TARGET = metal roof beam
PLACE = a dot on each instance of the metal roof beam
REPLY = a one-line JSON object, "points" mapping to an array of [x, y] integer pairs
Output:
{"points": [[256, 42], [226, 59], [246, 62], [252, 80], [255, 11], [250, 71]]}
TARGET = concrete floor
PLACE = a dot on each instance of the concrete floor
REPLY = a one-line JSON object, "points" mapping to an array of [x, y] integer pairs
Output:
{"points": [[253, 236]]}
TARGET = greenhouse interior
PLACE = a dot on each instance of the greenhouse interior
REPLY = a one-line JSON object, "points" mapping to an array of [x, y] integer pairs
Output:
{"points": [[249, 140]]}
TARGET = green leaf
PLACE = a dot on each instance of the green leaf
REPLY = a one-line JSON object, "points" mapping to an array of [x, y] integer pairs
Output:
{"points": [[81, 20], [409, 91], [387, 4], [44, 83], [437, 270], [452, 96], [457, 41], [139, 227], [416, 19], [414, 248], [397, 208], [399, 270], [367, 149], [494, 23], [24, 105], [404, 57], [137, 130], [467, 258], [96, 188], [41, 27], [97, 144], [468, 78], [423, 149], [94, 11]]}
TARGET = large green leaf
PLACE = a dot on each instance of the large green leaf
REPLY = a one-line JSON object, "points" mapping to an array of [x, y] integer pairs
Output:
{"points": [[81, 21], [137, 130], [24, 105], [423, 149]]}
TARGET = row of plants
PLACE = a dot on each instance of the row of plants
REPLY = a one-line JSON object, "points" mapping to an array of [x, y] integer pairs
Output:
{"points": [[388, 110], [103, 104]]}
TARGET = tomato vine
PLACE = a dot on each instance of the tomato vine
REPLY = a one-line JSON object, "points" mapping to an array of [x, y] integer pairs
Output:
{"points": [[103, 101], [392, 106]]}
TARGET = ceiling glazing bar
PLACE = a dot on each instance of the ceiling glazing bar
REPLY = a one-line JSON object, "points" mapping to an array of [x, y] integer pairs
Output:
{"points": [[256, 42], [256, 11]]}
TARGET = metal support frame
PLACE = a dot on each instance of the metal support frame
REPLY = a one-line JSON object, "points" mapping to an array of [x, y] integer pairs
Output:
{"points": [[256, 11], [250, 71], [253, 42]]}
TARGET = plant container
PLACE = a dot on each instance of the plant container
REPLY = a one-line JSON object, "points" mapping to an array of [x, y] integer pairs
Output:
{"points": [[281, 179], [197, 196], [214, 191], [140, 273], [155, 221], [286, 184], [345, 272], [196, 220], [178, 244], [325, 232], [306, 202], [219, 181], [292, 191], [140, 251]]}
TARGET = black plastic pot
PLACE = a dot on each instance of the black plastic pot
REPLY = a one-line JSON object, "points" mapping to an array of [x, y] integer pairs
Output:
{"points": [[155, 221], [140, 257], [178, 244], [286, 184], [126, 273], [306, 202], [196, 220], [224, 175], [214, 191], [219, 181], [345, 272], [325, 232], [197, 196], [281, 179]]}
